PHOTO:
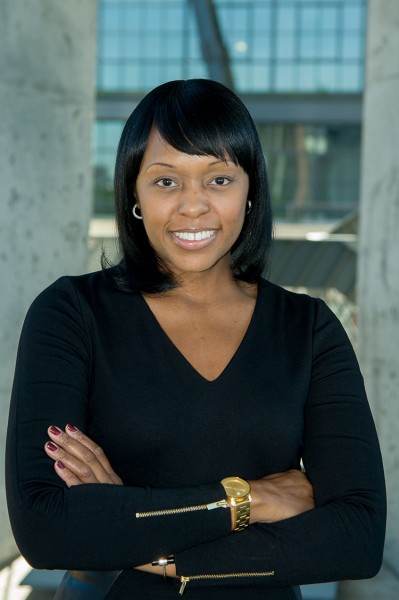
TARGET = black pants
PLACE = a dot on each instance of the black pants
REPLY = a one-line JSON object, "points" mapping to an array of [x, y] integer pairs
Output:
{"points": [[136, 585], [85, 585]]}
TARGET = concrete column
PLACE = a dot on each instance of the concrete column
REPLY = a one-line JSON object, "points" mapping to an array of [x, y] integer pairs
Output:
{"points": [[47, 66], [378, 287]]}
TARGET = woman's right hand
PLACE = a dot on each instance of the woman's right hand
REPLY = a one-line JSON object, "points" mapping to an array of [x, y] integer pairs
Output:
{"points": [[78, 459], [280, 496]]}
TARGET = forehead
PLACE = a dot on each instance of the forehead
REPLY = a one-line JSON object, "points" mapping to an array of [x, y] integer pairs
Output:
{"points": [[158, 150], [158, 147]]}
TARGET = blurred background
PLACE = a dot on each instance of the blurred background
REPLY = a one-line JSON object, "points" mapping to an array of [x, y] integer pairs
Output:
{"points": [[320, 78]]}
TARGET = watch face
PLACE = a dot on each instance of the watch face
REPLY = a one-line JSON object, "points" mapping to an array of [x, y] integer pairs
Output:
{"points": [[236, 487]]}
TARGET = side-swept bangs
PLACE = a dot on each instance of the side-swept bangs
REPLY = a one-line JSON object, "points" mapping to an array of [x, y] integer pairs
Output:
{"points": [[197, 117], [194, 123]]}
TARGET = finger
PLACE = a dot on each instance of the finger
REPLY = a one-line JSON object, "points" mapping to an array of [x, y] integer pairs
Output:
{"points": [[78, 435], [79, 469], [78, 457], [97, 451], [65, 474]]}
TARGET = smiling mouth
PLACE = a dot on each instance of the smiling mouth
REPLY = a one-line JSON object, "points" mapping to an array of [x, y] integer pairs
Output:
{"points": [[192, 236]]}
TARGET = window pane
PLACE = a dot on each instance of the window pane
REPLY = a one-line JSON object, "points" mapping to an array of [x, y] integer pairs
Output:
{"points": [[261, 78], [286, 18], [285, 47], [261, 16], [308, 46], [353, 18], [261, 46], [326, 78], [110, 47], [329, 18], [327, 46], [306, 77], [131, 77], [352, 47], [309, 20], [109, 79], [350, 78], [286, 78], [110, 18]]}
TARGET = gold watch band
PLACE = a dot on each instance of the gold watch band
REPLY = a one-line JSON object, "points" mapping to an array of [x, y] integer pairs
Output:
{"points": [[242, 513]]}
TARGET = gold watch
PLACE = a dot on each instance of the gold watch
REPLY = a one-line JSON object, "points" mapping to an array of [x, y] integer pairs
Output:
{"points": [[238, 492]]}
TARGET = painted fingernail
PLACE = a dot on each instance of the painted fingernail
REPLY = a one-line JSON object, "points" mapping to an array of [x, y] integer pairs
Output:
{"points": [[60, 464], [55, 430], [52, 446], [72, 428]]}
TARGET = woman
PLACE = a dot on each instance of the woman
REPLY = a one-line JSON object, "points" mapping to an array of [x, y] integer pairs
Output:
{"points": [[203, 384]]}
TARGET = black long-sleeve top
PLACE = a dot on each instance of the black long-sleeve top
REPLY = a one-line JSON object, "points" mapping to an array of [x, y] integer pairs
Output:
{"points": [[96, 357]]}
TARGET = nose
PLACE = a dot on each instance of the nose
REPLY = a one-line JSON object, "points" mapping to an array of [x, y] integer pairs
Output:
{"points": [[194, 201]]}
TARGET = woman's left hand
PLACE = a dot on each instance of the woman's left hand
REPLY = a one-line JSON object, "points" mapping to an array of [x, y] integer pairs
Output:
{"points": [[77, 458]]}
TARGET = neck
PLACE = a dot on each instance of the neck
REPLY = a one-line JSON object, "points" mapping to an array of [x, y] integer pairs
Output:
{"points": [[209, 287]]}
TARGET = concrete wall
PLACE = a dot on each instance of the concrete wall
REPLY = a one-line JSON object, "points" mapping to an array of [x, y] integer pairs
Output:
{"points": [[47, 66], [378, 289]]}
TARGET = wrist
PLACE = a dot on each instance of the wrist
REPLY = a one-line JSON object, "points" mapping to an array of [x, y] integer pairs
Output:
{"points": [[260, 500], [167, 562], [255, 495]]}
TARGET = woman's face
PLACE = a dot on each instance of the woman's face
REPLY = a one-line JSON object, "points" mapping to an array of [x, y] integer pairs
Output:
{"points": [[193, 207]]}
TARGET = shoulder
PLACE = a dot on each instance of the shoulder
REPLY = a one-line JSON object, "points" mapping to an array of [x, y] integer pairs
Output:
{"points": [[77, 287], [299, 311], [308, 324], [62, 291], [72, 295], [287, 300], [75, 307]]}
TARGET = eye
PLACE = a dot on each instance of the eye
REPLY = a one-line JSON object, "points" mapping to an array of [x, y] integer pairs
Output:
{"points": [[221, 181], [165, 182]]}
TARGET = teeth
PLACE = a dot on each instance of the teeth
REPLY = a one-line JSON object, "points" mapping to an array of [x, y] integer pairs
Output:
{"points": [[191, 236]]}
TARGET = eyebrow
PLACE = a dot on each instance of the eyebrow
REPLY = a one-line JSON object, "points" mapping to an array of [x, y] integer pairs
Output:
{"points": [[220, 160], [160, 164], [163, 164]]}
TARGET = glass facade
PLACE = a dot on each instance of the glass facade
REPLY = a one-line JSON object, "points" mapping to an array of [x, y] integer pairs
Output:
{"points": [[106, 138], [142, 44], [272, 47], [313, 170]]}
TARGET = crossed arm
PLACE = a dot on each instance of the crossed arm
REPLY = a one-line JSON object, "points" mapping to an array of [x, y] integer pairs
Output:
{"points": [[79, 460]]}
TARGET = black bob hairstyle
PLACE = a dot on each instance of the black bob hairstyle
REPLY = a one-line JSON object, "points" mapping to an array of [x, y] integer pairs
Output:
{"points": [[197, 117]]}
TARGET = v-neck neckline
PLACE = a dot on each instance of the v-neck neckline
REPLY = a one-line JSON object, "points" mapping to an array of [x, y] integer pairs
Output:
{"points": [[185, 360]]}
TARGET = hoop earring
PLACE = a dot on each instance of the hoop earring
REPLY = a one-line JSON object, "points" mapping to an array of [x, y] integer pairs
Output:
{"points": [[249, 207], [135, 213]]}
